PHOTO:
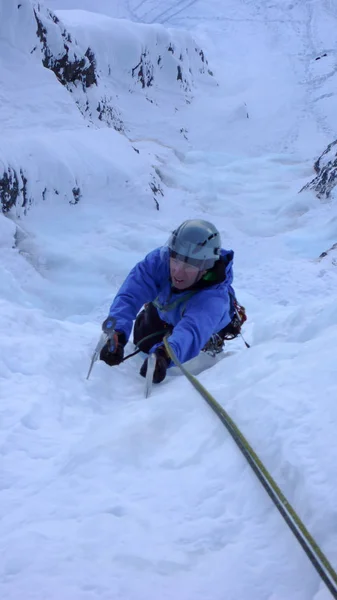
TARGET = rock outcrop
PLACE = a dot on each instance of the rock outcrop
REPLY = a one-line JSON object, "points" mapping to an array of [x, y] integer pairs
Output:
{"points": [[326, 169]]}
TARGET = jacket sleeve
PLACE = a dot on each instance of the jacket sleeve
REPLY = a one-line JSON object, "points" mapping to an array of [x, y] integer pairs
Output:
{"points": [[141, 286], [202, 315]]}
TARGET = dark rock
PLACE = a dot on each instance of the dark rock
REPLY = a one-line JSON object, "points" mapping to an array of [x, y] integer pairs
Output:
{"points": [[70, 65], [333, 247], [326, 169], [145, 70], [23, 190], [109, 114], [156, 187], [9, 189], [184, 132], [13, 189], [77, 195]]}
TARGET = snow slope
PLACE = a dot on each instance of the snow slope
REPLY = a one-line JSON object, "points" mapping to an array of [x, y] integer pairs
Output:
{"points": [[106, 495]]}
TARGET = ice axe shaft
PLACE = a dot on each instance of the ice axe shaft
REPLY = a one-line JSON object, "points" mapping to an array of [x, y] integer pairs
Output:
{"points": [[151, 365], [107, 334], [101, 342]]}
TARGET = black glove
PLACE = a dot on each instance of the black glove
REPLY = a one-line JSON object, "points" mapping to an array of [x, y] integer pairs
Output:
{"points": [[162, 362], [113, 351]]}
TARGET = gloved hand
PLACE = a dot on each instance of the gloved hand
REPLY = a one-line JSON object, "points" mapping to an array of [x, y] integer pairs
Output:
{"points": [[162, 362], [113, 351]]}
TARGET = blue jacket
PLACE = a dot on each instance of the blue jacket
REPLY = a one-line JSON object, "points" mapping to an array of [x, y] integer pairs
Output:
{"points": [[195, 315]]}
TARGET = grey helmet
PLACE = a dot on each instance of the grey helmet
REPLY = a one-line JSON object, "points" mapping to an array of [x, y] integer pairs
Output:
{"points": [[197, 243]]}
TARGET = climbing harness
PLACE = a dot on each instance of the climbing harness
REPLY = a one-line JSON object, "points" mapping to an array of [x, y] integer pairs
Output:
{"points": [[216, 342]]}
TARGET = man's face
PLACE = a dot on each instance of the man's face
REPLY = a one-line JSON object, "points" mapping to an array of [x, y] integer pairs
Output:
{"points": [[183, 275]]}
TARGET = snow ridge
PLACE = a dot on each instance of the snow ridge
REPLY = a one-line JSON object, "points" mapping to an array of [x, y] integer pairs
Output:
{"points": [[124, 68]]}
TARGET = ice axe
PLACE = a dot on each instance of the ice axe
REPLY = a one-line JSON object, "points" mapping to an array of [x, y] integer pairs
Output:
{"points": [[108, 334], [151, 365]]}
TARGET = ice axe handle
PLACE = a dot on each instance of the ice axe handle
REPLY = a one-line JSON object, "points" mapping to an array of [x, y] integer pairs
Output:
{"points": [[108, 328]]}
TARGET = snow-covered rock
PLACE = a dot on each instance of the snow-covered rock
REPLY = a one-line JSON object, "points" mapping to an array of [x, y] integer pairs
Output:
{"points": [[326, 168], [76, 70]]}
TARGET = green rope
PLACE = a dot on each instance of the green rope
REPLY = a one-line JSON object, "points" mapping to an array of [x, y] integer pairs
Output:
{"points": [[309, 545]]}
